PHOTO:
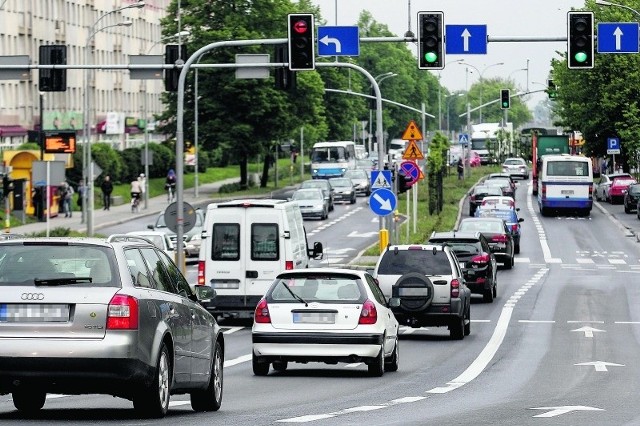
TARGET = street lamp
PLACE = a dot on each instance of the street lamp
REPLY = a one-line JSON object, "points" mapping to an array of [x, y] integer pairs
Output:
{"points": [[608, 3], [146, 118], [87, 170], [480, 74], [379, 78]]}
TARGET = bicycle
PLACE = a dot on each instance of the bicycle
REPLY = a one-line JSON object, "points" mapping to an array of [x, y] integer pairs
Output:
{"points": [[135, 202], [170, 192]]}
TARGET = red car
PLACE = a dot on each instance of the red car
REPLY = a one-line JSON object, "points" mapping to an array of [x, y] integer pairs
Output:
{"points": [[474, 159], [618, 188]]}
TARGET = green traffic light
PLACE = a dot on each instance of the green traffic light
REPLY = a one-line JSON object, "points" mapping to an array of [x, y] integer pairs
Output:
{"points": [[580, 57], [505, 104], [431, 57]]}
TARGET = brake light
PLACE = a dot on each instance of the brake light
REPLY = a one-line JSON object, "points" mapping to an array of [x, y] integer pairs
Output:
{"points": [[201, 272], [455, 288], [261, 314], [369, 313], [122, 313], [288, 265], [481, 258], [499, 238], [543, 191], [590, 192]]}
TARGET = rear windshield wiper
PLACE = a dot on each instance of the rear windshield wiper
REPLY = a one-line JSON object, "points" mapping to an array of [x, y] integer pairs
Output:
{"points": [[295, 296], [61, 281]]}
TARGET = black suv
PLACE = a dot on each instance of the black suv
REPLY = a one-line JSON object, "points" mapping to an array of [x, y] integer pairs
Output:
{"points": [[426, 287], [478, 263], [631, 198]]}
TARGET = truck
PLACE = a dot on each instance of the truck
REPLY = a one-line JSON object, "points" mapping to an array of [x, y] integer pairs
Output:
{"points": [[484, 135], [544, 145]]}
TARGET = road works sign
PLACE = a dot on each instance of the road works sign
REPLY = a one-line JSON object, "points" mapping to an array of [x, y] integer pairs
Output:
{"points": [[412, 132]]}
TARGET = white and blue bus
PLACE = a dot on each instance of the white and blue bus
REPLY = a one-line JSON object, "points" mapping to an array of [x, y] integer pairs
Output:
{"points": [[332, 159], [565, 183]]}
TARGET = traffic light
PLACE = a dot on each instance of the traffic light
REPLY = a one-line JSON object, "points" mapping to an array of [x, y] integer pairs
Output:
{"points": [[430, 40], [285, 78], [552, 89], [173, 54], [302, 51], [580, 46], [52, 80], [403, 183], [7, 185], [505, 98]]}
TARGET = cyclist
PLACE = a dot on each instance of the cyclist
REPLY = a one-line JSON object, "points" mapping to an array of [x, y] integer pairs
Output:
{"points": [[170, 185], [136, 191]]}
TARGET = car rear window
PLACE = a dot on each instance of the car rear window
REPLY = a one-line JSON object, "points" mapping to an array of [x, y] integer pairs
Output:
{"points": [[318, 288], [481, 226], [57, 264], [461, 246], [426, 262]]}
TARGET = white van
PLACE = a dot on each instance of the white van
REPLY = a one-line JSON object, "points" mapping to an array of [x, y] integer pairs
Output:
{"points": [[565, 182], [245, 245]]}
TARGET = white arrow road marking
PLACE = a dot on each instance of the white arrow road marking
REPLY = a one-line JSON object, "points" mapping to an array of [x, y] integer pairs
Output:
{"points": [[465, 39], [618, 34], [384, 204], [588, 331], [601, 365], [556, 411], [326, 40], [363, 235]]}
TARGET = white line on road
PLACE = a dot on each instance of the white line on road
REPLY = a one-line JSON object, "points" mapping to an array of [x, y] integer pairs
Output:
{"points": [[236, 361]]}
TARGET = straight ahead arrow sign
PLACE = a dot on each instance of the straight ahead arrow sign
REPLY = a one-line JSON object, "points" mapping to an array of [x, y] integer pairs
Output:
{"points": [[618, 35], [588, 331], [465, 40], [601, 365]]}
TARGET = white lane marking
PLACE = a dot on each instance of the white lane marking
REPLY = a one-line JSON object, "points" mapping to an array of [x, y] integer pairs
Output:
{"points": [[580, 260], [626, 322], [178, 403], [231, 330], [56, 395], [477, 320], [354, 365], [522, 260], [537, 321], [236, 361], [487, 354], [617, 261], [546, 251], [585, 322]]}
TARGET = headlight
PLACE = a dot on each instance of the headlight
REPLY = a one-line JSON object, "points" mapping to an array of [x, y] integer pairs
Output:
{"points": [[343, 170], [315, 171]]}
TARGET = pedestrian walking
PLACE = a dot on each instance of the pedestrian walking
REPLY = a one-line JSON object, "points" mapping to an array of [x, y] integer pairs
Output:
{"points": [[67, 196], [107, 188], [460, 169]]}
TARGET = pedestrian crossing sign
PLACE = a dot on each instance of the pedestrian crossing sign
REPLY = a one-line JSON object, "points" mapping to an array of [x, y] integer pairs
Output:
{"points": [[412, 152], [381, 179]]}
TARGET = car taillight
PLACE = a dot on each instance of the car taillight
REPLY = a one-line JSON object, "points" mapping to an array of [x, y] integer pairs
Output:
{"points": [[369, 313], [543, 191], [590, 191], [261, 314], [514, 228], [455, 288], [201, 272], [481, 258], [122, 313], [288, 265], [499, 239]]}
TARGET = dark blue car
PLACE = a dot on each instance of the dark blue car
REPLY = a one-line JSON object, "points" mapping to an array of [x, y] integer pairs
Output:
{"points": [[510, 216]]}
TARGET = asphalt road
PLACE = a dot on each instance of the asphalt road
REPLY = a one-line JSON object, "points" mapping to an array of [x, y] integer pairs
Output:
{"points": [[558, 346]]}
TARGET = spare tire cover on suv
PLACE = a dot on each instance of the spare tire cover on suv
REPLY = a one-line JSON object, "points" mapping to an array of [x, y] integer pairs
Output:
{"points": [[414, 290]]}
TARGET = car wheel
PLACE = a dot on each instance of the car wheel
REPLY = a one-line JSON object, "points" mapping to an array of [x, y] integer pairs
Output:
{"points": [[210, 399], [467, 324], [487, 295], [392, 363], [28, 400], [456, 329], [376, 367], [516, 249], [544, 211], [153, 401], [508, 264], [260, 368], [471, 211], [353, 199], [280, 365], [331, 206], [626, 208]]}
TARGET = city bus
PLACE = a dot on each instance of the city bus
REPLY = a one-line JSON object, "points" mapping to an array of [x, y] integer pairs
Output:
{"points": [[565, 183], [332, 159]]}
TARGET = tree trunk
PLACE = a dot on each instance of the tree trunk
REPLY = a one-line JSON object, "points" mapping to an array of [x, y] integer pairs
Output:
{"points": [[265, 170], [243, 173]]}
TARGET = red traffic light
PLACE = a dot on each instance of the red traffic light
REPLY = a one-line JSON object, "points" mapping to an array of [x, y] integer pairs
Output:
{"points": [[300, 26]]}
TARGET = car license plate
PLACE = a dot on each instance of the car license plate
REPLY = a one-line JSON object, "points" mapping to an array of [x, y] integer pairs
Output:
{"points": [[314, 317], [567, 192], [34, 313], [413, 292]]}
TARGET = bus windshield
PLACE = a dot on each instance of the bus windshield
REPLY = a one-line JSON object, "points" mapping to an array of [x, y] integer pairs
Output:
{"points": [[477, 144], [328, 154]]}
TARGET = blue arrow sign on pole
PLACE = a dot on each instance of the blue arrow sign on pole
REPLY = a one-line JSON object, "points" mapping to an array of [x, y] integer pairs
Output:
{"points": [[618, 37], [338, 41], [382, 202], [466, 39]]}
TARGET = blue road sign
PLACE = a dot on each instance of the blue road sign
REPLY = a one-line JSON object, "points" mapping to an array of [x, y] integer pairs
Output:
{"points": [[382, 202], [466, 39], [463, 139], [411, 171], [338, 41], [380, 179], [613, 143], [618, 37]]}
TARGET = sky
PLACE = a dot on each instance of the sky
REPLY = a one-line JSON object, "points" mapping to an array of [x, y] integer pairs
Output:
{"points": [[503, 18]]}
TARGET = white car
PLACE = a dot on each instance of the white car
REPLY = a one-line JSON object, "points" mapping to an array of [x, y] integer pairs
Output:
{"points": [[498, 202], [324, 315], [158, 239], [516, 167]]}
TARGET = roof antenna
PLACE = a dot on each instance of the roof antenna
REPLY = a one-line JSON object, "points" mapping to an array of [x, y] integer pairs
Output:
{"points": [[409, 33]]}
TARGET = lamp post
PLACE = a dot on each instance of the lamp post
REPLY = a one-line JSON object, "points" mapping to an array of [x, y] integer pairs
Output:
{"points": [[379, 78], [146, 127], [87, 204], [480, 74], [608, 3]]}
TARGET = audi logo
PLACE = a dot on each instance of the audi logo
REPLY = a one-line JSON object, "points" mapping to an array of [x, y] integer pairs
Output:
{"points": [[32, 296]]}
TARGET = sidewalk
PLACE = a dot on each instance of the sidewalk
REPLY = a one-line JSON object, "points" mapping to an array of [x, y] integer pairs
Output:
{"points": [[122, 213]]}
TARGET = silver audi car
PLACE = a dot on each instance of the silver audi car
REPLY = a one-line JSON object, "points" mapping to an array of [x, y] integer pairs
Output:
{"points": [[114, 316]]}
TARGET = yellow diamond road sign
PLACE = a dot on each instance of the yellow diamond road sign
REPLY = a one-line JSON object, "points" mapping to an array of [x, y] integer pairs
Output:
{"points": [[412, 133], [412, 152]]}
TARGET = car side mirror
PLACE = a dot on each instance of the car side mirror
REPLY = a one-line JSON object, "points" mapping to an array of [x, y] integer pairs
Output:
{"points": [[204, 292], [521, 219], [518, 209], [149, 226], [394, 302]]}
